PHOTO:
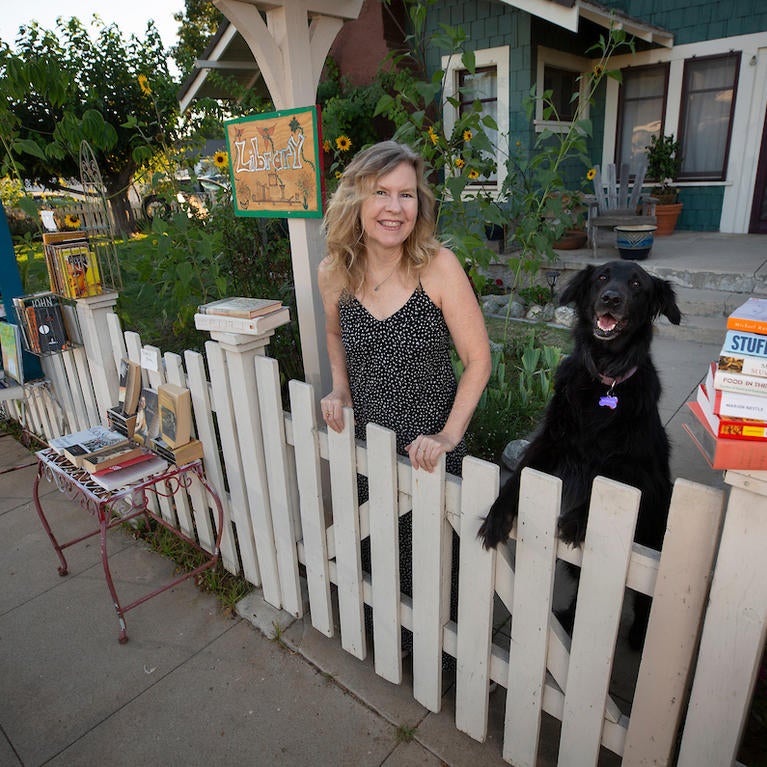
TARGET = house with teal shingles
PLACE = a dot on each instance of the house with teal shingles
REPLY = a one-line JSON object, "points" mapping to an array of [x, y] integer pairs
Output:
{"points": [[699, 72]]}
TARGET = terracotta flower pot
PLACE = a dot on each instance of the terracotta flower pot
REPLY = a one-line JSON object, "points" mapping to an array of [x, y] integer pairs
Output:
{"points": [[572, 239], [666, 217]]}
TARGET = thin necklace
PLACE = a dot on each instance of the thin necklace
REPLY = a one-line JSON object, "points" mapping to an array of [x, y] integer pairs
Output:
{"points": [[376, 287]]}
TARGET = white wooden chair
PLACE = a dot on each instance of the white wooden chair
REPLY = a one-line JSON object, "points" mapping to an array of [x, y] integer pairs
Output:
{"points": [[617, 203]]}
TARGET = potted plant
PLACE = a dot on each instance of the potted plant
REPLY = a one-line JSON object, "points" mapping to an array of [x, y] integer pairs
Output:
{"points": [[664, 162]]}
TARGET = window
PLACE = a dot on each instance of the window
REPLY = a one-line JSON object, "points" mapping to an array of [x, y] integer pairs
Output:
{"points": [[560, 73], [641, 110], [480, 87], [490, 85], [562, 83], [708, 105]]}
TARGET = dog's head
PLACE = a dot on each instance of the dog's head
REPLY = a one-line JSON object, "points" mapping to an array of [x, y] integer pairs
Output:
{"points": [[618, 298]]}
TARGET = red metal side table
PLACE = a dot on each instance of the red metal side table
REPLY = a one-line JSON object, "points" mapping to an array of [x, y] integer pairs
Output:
{"points": [[112, 508]]}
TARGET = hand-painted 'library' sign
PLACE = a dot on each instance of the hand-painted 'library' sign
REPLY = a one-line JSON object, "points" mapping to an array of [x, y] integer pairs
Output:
{"points": [[275, 164]]}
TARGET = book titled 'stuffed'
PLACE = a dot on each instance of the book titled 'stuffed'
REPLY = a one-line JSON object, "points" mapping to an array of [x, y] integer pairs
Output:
{"points": [[751, 316], [255, 326], [240, 306], [740, 343], [723, 453]]}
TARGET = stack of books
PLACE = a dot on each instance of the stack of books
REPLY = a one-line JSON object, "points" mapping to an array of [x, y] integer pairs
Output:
{"points": [[48, 324], [250, 316], [729, 425], [73, 268]]}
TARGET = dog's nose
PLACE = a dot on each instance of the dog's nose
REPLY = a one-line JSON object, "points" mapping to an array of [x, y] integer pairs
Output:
{"points": [[611, 299]]}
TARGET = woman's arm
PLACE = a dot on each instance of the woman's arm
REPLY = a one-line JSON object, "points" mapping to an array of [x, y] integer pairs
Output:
{"points": [[340, 397], [447, 285]]}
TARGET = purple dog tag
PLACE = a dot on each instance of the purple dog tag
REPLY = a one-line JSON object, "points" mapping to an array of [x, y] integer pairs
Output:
{"points": [[608, 401]]}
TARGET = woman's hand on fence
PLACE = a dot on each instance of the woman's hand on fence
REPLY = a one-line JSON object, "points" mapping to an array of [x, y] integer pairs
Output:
{"points": [[425, 450], [333, 409]]}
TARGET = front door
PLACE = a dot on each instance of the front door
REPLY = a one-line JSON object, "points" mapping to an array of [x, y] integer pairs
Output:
{"points": [[758, 224]]}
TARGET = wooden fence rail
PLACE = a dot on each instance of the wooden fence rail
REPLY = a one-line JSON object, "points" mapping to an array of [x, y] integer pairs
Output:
{"points": [[291, 512]]}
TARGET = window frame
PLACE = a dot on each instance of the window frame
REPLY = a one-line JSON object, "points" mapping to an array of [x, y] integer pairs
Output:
{"points": [[570, 63], [483, 59], [622, 100], [681, 133]]}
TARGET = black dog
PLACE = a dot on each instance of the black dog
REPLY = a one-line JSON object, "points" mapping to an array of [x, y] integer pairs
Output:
{"points": [[603, 418]]}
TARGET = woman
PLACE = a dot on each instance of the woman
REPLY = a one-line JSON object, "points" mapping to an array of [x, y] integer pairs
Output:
{"points": [[394, 298]]}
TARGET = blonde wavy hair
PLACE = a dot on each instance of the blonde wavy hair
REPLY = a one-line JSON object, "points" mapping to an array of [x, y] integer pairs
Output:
{"points": [[343, 224]]}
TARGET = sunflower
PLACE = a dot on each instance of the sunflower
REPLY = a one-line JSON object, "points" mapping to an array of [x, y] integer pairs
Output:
{"points": [[460, 162], [433, 135], [326, 145], [143, 83], [467, 135], [343, 143], [473, 174], [71, 221], [221, 160], [339, 174], [590, 175]]}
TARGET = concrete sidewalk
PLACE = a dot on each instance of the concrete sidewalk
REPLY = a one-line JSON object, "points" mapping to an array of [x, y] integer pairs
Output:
{"points": [[194, 686]]}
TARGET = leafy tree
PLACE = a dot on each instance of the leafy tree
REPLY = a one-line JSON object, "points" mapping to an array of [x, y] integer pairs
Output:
{"points": [[61, 87], [199, 21]]}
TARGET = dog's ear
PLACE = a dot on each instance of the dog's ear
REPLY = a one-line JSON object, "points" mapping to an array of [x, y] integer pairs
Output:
{"points": [[578, 287], [665, 301]]}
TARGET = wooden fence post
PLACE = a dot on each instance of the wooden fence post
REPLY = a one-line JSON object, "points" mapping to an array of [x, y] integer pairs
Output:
{"points": [[92, 313]]}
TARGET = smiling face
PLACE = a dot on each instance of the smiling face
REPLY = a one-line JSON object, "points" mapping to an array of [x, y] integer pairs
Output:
{"points": [[621, 294], [389, 213]]}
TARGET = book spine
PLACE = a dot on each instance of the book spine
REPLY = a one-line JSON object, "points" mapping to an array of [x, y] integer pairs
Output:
{"points": [[758, 327], [752, 366], [737, 405], [257, 325], [726, 380], [745, 344]]}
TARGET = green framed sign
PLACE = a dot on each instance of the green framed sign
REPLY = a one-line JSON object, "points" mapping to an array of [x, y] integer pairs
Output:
{"points": [[275, 164]]}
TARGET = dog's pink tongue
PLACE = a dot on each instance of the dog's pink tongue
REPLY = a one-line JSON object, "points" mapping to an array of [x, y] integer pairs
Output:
{"points": [[606, 322]]}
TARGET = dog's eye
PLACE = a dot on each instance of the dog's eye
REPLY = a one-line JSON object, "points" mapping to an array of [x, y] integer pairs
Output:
{"points": [[635, 283], [602, 277]]}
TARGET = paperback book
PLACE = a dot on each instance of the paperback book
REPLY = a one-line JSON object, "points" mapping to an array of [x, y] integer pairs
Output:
{"points": [[118, 421], [740, 343], [10, 344], [110, 457], [42, 321], [181, 455], [147, 426], [255, 326], [175, 404], [112, 480], [750, 316], [726, 380], [730, 428], [240, 306], [98, 437], [752, 366], [129, 385], [737, 404]]}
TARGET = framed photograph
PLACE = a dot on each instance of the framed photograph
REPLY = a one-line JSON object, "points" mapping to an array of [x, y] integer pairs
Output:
{"points": [[275, 164]]}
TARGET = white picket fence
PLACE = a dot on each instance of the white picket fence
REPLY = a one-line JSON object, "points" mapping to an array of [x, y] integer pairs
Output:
{"points": [[291, 512]]}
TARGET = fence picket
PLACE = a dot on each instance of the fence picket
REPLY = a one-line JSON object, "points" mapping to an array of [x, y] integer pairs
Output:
{"points": [[732, 642], [281, 478], [346, 533], [247, 432], [174, 373], [383, 521], [679, 600], [431, 534], [53, 367], [86, 386], [116, 338], [311, 508], [475, 599], [536, 556], [222, 404], [206, 433], [606, 553], [77, 421]]}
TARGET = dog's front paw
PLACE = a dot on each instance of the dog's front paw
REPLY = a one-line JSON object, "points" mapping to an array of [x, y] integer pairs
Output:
{"points": [[496, 527], [572, 528]]}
